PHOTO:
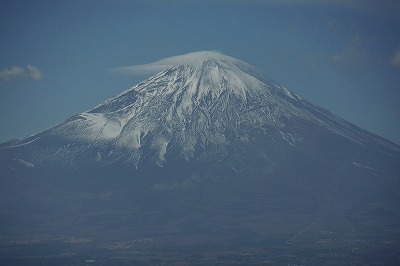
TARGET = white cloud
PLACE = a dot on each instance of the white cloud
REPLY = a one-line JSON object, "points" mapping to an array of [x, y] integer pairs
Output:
{"points": [[16, 72], [395, 60], [353, 53], [190, 58], [33, 72], [12, 73]]}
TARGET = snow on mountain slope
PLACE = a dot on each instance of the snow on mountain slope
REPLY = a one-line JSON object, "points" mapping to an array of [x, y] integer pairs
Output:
{"points": [[203, 103]]}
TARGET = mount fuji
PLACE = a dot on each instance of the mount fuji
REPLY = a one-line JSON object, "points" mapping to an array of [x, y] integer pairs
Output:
{"points": [[206, 152], [189, 111]]}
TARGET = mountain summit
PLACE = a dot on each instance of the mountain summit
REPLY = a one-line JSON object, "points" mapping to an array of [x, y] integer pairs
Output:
{"points": [[200, 105]]}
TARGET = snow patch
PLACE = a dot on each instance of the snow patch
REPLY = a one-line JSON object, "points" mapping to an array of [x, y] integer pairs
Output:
{"points": [[91, 126], [289, 93], [162, 149], [363, 166], [25, 163]]}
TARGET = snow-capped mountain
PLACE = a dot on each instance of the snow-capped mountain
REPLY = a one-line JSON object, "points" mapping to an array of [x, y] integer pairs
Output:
{"points": [[191, 110], [206, 157]]}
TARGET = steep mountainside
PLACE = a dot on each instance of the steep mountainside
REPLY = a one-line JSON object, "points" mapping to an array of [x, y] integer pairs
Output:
{"points": [[207, 162]]}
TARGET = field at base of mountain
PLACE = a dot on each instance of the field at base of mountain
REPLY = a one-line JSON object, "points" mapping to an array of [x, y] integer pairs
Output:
{"points": [[84, 219]]}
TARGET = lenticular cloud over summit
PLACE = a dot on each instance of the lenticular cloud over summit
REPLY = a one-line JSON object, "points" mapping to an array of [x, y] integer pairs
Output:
{"points": [[185, 59]]}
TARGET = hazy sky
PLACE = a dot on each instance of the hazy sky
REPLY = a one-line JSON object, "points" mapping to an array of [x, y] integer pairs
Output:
{"points": [[55, 55]]}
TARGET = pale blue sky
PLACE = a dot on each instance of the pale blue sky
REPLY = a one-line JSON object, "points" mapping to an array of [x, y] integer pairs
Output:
{"points": [[55, 55]]}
